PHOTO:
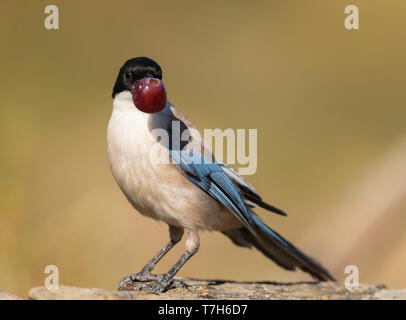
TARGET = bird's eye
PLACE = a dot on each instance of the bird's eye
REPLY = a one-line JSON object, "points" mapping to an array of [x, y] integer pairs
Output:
{"points": [[128, 76]]}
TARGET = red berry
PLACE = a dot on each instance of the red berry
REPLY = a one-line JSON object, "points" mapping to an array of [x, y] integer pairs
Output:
{"points": [[149, 95]]}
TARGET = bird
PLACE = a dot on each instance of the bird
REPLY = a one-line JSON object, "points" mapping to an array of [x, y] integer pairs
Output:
{"points": [[193, 192]]}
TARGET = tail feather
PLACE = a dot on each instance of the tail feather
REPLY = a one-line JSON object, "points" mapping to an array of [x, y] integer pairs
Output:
{"points": [[281, 251]]}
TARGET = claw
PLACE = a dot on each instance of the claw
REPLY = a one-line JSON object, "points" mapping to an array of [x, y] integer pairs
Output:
{"points": [[162, 285], [143, 276], [127, 283]]}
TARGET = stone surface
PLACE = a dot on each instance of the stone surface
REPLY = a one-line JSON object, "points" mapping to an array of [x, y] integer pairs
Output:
{"points": [[391, 294], [7, 296], [219, 289]]}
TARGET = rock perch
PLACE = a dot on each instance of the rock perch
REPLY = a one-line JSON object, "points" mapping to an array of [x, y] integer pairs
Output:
{"points": [[221, 289]]}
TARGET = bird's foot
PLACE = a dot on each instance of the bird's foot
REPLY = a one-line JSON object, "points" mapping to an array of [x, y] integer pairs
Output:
{"points": [[162, 284], [142, 276]]}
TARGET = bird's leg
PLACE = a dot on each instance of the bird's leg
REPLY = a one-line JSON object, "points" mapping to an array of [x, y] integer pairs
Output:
{"points": [[145, 274], [165, 281]]}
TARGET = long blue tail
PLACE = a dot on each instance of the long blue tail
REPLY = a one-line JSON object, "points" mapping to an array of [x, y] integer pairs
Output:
{"points": [[275, 247]]}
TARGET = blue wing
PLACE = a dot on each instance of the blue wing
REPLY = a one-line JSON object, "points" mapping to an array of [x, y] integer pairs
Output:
{"points": [[211, 178], [226, 186]]}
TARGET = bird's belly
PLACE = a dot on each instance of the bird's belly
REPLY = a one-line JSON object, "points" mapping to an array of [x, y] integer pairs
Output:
{"points": [[160, 191], [165, 195]]}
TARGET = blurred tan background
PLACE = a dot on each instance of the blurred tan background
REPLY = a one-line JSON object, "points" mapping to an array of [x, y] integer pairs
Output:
{"points": [[328, 103]]}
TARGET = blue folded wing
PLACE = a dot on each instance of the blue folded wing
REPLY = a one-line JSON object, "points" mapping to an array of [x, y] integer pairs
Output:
{"points": [[211, 178]]}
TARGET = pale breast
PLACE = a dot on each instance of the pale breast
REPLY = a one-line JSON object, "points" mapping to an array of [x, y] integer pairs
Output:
{"points": [[158, 190]]}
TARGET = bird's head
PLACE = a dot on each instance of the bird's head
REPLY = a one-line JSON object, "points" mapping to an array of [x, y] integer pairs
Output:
{"points": [[142, 77]]}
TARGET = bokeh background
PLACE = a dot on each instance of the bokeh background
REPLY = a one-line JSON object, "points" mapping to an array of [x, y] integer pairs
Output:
{"points": [[328, 103]]}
